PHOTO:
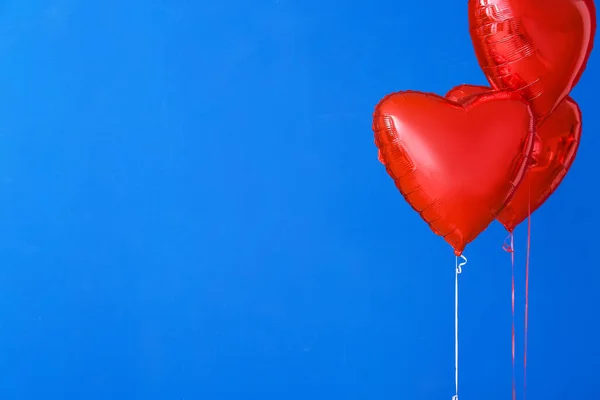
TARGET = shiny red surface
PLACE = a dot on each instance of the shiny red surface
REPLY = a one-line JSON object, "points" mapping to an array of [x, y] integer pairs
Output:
{"points": [[455, 164], [538, 47], [555, 147]]}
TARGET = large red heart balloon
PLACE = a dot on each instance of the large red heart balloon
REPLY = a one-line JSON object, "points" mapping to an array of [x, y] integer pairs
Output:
{"points": [[537, 47], [456, 164], [555, 147]]}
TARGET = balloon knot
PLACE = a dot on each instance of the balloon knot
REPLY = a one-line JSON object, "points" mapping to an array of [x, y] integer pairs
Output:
{"points": [[507, 247]]}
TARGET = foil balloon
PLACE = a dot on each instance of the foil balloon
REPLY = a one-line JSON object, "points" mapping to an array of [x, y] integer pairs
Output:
{"points": [[555, 147], [537, 47], [456, 164]]}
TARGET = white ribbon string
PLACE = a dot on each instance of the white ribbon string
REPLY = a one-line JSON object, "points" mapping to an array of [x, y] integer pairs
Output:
{"points": [[458, 271]]}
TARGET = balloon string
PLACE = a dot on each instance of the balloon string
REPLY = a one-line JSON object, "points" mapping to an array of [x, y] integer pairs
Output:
{"points": [[526, 304], [510, 248], [457, 271], [512, 257]]}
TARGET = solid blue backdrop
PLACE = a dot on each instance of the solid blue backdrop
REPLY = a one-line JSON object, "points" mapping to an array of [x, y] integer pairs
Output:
{"points": [[192, 208]]}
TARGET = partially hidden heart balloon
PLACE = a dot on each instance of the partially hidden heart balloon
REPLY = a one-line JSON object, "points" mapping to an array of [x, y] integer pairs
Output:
{"points": [[555, 147], [537, 47], [456, 164]]}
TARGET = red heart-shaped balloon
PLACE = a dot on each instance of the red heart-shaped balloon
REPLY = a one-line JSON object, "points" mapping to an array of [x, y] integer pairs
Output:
{"points": [[537, 47], [455, 164], [555, 147]]}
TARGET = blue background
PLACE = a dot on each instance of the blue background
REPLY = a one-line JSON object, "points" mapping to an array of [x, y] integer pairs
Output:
{"points": [[192, 208]]}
